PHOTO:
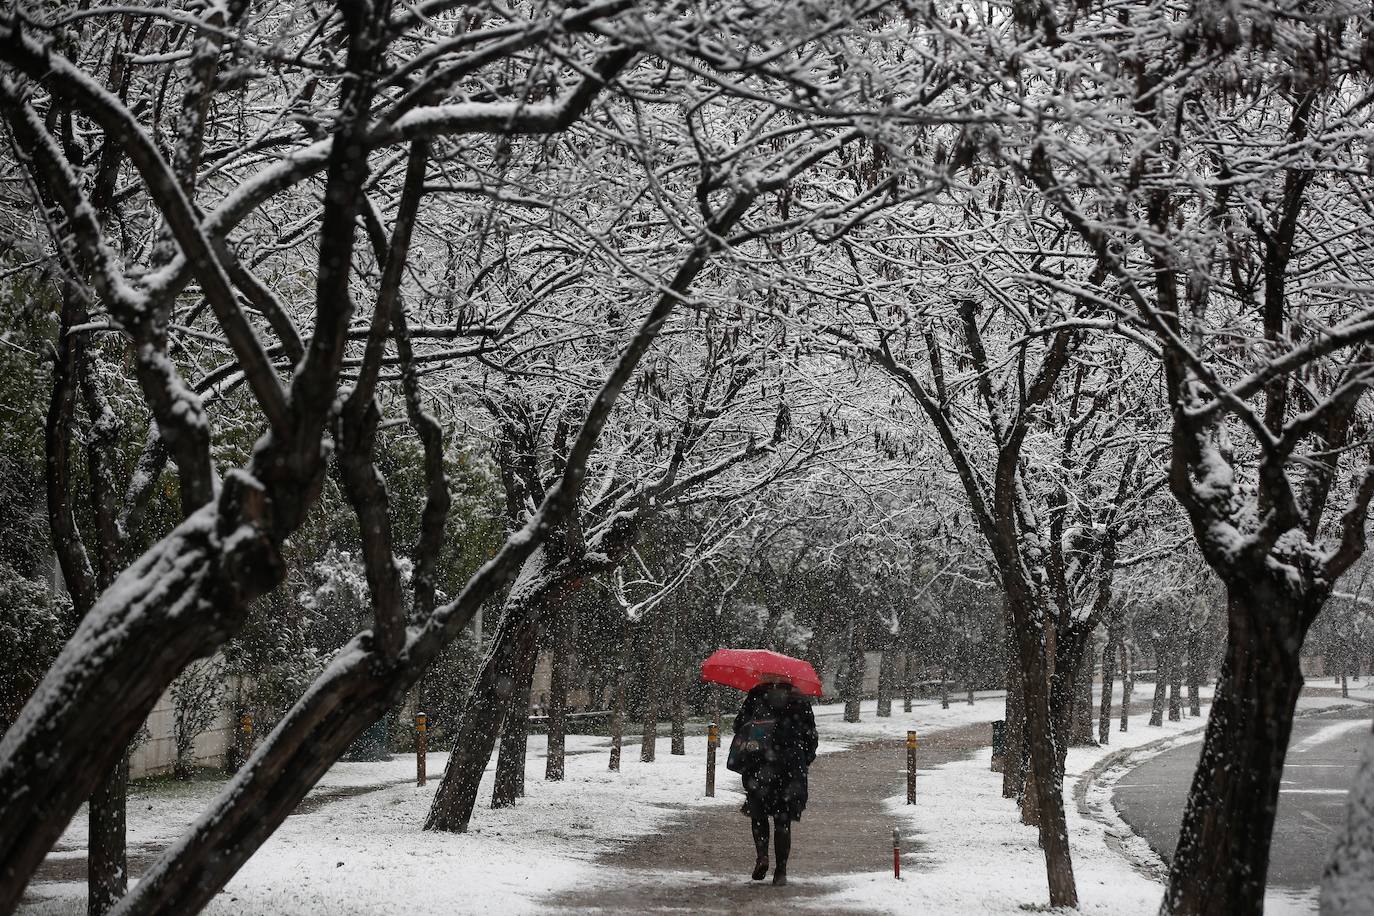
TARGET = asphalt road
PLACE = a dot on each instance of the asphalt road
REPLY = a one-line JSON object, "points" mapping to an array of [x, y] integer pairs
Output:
{"points": [[1322, 757]]}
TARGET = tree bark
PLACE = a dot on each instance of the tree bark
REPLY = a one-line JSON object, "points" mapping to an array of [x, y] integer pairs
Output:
{"points": [[1104, 710], [908, 679], [1014, 769], [1222, 860], [1194, 674], [653, 692], [474, 737], [677, 700], [1082, 729], [1175, 678], [1045, 772], [622, 675], [886, 672], [1162, 678], [559, 680], [509, 783], [853, 672], [108, 871], [1127, 685]]}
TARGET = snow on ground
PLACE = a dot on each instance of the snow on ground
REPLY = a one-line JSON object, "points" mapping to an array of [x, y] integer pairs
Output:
{"points": [[969, 853], [926, 715], [362, 851]]}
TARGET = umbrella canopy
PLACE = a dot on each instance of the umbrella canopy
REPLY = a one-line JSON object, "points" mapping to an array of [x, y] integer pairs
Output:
{"points": [[745, 669]]}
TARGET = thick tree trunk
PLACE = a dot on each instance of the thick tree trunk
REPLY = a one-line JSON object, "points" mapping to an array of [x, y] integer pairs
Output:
{"points": [[480, 722], [1222, 860], [1014, 769], [76, 727], [887, 665], [1082, 728], [1045, 773], [108, 878], [1127, 685], [1104, 709], [559, 682], [509, 783]]}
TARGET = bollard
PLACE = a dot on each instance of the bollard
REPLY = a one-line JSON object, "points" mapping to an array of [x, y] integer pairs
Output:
{"points": [[421, 746], [897, 853], [712, 741], [911, 768]]}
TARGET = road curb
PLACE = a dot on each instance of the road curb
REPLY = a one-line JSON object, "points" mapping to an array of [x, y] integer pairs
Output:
{"points": [[1093, 792]]}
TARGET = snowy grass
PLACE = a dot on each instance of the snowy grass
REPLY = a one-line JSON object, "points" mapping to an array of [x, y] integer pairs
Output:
{"points": [[361, 848], [974, 856], [363, 851], [926, 715]]}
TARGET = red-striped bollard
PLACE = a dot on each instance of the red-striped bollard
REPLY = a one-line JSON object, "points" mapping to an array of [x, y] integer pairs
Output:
{"points": [[897, 853]]}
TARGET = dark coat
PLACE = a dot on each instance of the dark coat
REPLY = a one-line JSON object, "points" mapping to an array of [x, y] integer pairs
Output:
{"points": [[776, 785]]}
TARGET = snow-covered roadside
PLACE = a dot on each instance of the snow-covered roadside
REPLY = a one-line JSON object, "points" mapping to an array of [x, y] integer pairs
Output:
{"points": [[362, 851], [967, 851], [925, 716], [367, 853]]}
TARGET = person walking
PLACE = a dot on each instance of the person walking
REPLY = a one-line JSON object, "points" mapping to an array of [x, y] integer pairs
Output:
{"points": [[774, 745]]}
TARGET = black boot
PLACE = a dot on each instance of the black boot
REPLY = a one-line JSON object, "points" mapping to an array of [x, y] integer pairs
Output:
{"points": [[782, 842], [759, 827]]}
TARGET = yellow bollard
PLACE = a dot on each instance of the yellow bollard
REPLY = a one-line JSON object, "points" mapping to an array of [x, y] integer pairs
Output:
{"points": [[712, 742], [911, 768], [421, 746]]}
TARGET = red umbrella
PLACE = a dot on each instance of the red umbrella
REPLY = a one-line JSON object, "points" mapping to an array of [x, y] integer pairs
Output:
{"points": [[745, 669]]}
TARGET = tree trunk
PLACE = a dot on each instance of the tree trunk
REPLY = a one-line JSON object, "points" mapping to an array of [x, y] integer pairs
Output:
{"points": [[853, 675], [887, 664], [1082, 728], [908, 679], [677, 700], [1175, 679], [1104, 709], [108, 872], [622, 675], [1161, 682], [1044, 770], [559, 682], [476, 731], [1222, 860], [509, 783], [1194, 675], [678, 715], [1014, 769], [1127, 685], [653, 692]]}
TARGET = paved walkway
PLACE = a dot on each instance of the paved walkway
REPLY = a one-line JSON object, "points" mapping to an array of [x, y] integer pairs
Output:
{"points": [[700, 862]]}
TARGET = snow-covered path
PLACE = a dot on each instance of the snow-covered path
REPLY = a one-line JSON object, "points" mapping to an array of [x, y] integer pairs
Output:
{"points": [[701, 861]]}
